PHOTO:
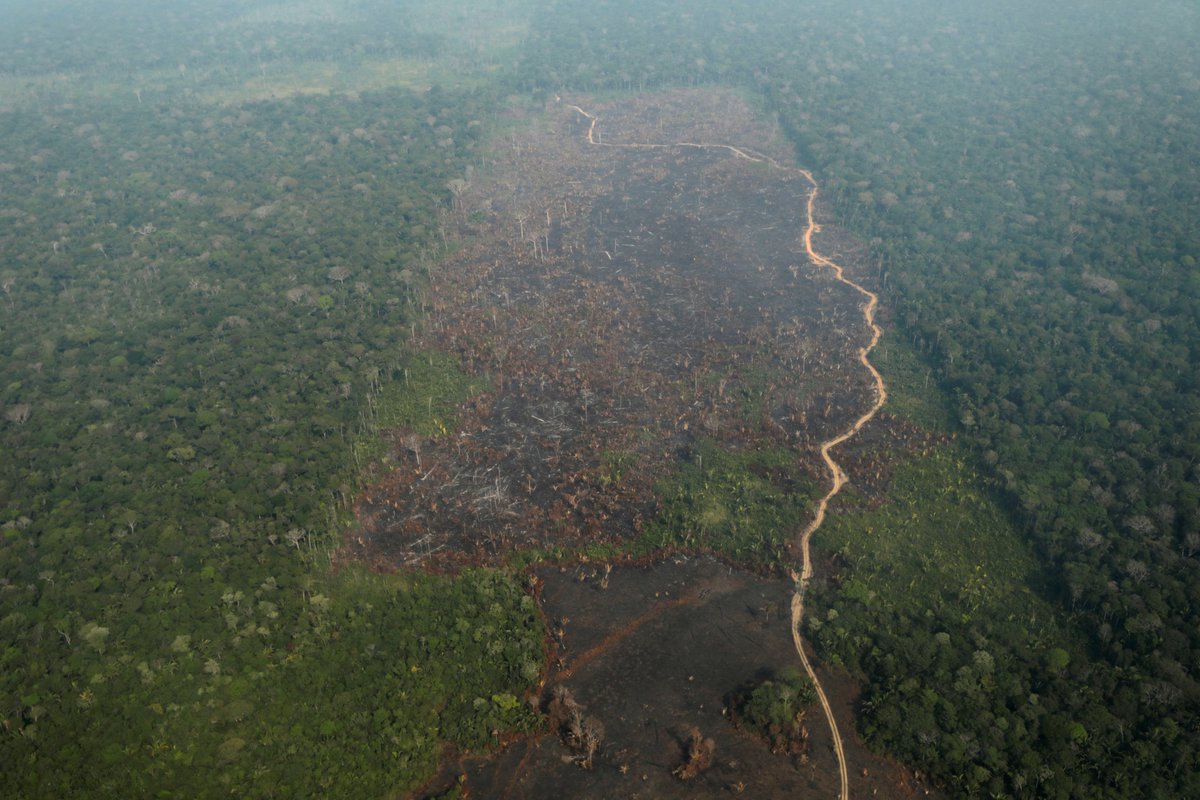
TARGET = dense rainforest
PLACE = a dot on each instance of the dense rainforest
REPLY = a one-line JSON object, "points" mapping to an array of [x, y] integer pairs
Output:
{"points": [[1026, 177], [202, 303], [215, 231]]}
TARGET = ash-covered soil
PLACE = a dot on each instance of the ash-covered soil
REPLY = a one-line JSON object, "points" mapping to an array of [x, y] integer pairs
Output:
{"points": [[655, 652], [622, 302]]}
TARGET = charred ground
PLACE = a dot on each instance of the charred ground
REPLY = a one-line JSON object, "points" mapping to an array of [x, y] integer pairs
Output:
{"points": [[623, 305], [656, 363], [655, 654]]}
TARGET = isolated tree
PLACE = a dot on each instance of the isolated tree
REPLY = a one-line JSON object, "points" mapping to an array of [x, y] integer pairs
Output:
{"points": [[565, 716], [412, 443], [581, 734], [591, 735], [295, 536], [699, 756], [457, 187]]}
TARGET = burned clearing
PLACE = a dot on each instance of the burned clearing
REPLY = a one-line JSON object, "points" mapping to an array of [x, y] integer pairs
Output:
{"points": [[656, 362], [625, 306], [653, 655]]}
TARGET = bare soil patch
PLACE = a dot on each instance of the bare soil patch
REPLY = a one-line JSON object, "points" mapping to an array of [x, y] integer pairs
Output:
{"points": [[655, 655]]}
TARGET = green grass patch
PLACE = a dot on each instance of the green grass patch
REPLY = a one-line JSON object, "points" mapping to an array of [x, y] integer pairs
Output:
{"points": [[748, 385], [939, 543], [747, 505], [226, 86], [912, 387], [614, 466], [434, 43], [425, 394]]}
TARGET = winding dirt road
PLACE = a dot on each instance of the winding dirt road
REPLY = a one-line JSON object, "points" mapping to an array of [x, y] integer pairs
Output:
{"points": [[837, 474]]}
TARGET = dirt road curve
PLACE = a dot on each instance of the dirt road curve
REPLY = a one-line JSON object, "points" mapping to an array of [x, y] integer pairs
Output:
{"points": [[836, 473]]}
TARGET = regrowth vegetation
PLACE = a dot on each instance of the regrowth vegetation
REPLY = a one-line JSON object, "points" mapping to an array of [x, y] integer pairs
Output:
{"points": [[746, 505], [776, 710]]}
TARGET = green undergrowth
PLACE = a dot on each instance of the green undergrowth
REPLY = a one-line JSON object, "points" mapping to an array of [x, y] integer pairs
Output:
{"points": [[938, 543], [775, 710], [743, 504], [940, 546], [912, 387], [595, 552], [935, 607], [747, 386], [425, 395], [422, 397]]}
